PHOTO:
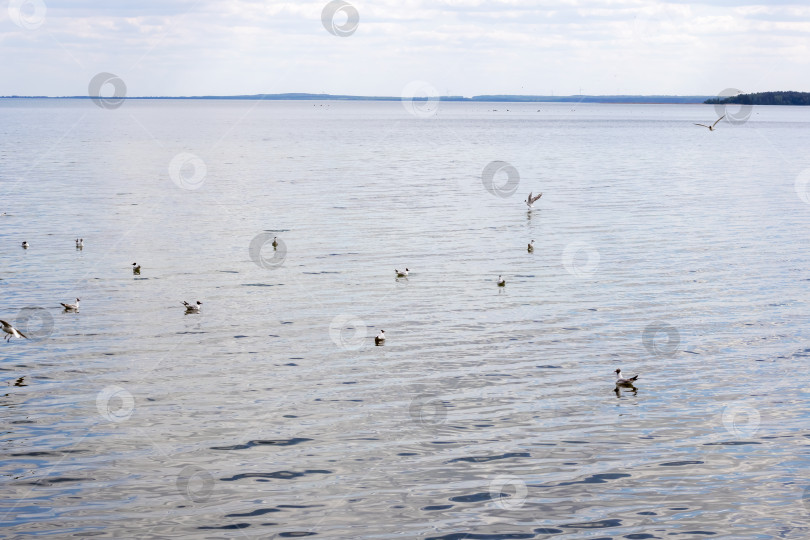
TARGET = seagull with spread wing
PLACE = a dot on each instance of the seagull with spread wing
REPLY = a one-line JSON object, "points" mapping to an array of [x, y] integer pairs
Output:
{"points": [[531, 200], [711, 127]]}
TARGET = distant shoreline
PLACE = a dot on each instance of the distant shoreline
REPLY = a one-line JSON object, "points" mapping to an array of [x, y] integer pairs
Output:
{"points": [[629, 99]]}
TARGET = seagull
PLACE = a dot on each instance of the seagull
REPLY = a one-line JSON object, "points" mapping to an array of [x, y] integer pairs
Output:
{"points": [[711, 127], [275, 242], [624, 382], [71, 307], [11, 331], [401, 273], [191, 308], [501, 282], [531, 246], [136, 268], [79, 243], [380, 338], [531, 200], [25, 245]]}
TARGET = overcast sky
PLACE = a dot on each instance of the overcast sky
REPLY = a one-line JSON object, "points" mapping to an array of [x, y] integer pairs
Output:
{"points": [[461, 47]]}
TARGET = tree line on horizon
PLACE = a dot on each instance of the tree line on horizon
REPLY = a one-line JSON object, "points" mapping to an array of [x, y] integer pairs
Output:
{"points": [[764, 98]]}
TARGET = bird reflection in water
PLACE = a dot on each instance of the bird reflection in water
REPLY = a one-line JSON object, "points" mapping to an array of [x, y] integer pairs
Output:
{"points": [[618, 390]]}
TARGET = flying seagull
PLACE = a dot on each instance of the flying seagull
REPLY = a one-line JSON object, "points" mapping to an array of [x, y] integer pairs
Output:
{"points": [[192, 308], [11, 331], [380, 338], [71, 307], [531, 200], [624, 382], [711, 127]]}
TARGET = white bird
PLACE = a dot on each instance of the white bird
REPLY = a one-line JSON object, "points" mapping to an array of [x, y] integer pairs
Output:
{"points": [[79, 243], [380, 338], [501, 282], [401, 273], [71, 307], [25, 245], [11, 331], [531, 246], [531, 200], [192, 308], [711, 127], [624, 382], [136, 268]]}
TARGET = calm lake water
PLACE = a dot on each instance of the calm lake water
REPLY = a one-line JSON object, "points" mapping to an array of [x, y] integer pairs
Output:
{"points": [[660, 248]]}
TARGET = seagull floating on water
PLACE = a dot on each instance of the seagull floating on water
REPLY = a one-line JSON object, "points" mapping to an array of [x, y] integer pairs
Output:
{"points": [[136, 268], [192, 308], [531, 200], [402, 273], [71, 307], [501, 282], [380, 338], [25, 244], [11, 331], [531, 246], [79, 243], [624, 382], [711, 127]]}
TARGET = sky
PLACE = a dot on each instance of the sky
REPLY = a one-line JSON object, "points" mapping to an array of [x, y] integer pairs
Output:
{"points": [[381, 47]]}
